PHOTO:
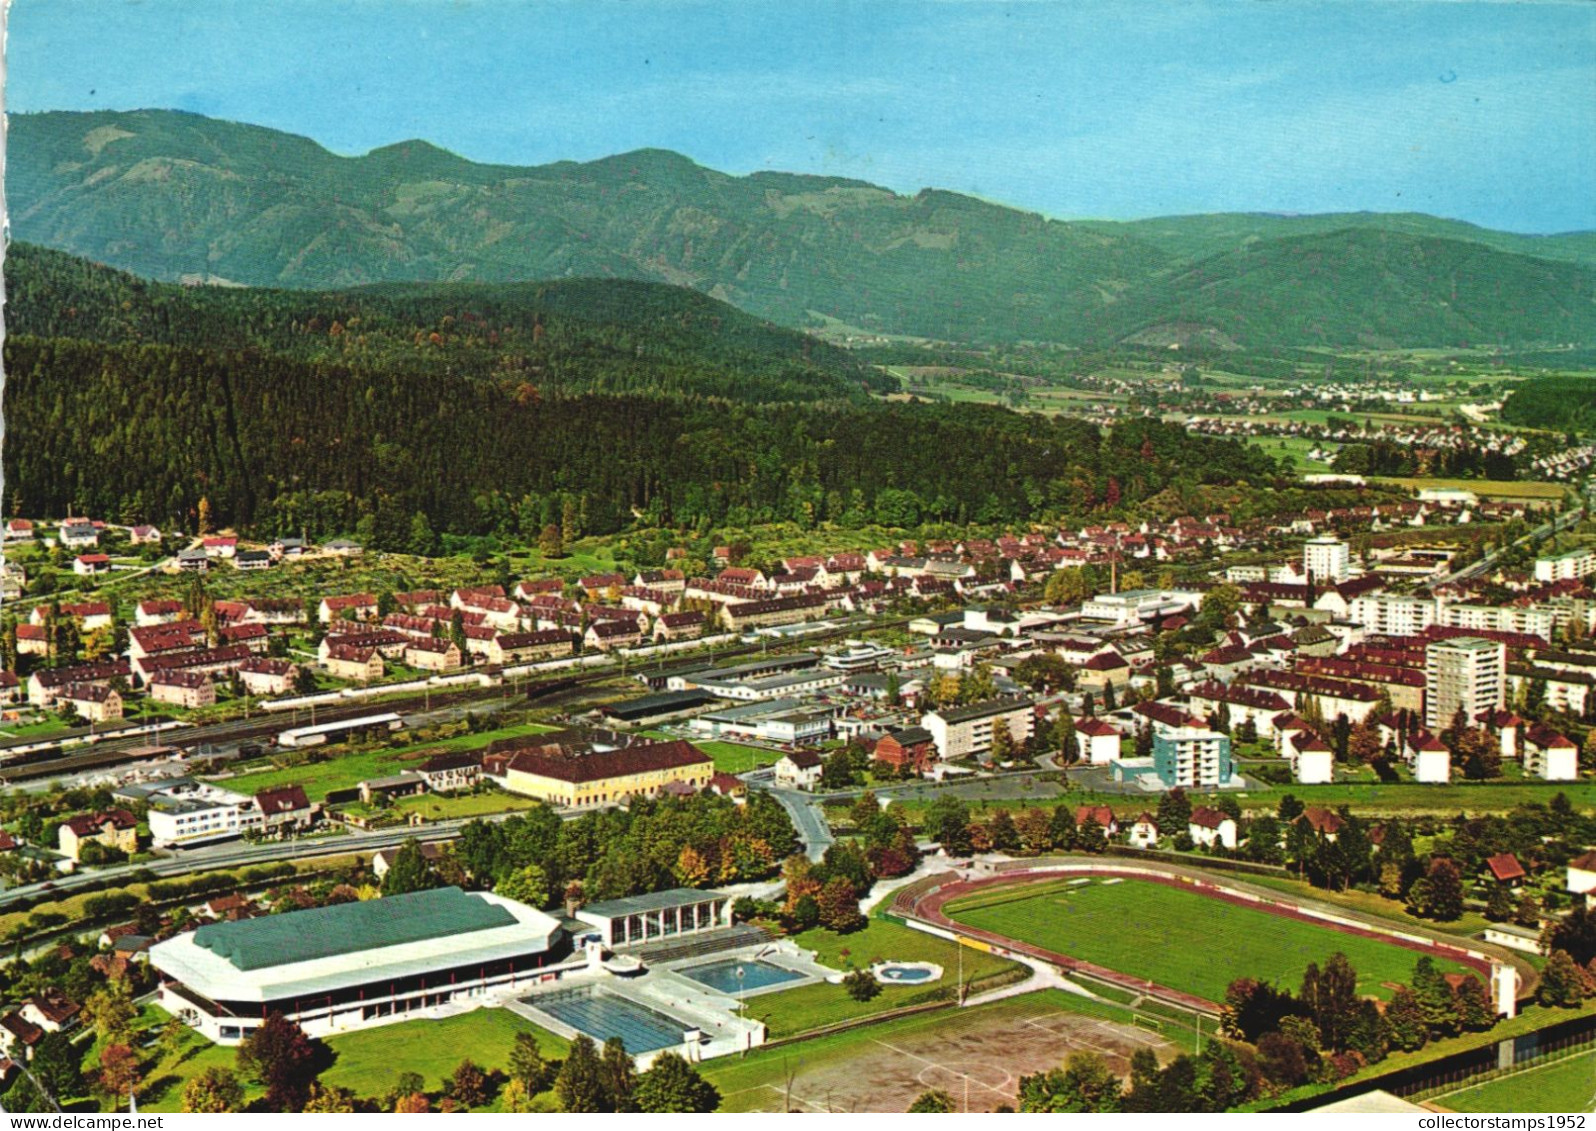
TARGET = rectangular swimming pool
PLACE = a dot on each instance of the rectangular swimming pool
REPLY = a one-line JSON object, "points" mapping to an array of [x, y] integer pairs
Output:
{"points": [[602, 1016], [722, 975]]}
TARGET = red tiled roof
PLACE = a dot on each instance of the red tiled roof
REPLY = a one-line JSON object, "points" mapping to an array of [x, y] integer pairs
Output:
{"points": [[1505, 866], [598, 766]]}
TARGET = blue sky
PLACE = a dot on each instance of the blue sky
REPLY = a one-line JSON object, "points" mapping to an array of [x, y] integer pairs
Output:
{"points": [[1484, 112]]}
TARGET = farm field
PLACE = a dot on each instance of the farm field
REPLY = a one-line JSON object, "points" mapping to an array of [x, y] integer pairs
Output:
{"points": [[1486, 488], [1169, 935], [981, 1051], [1563, 1085]]}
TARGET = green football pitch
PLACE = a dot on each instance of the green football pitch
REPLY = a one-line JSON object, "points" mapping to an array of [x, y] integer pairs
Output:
{"points": [[1178, 938], [1563, 1085]]}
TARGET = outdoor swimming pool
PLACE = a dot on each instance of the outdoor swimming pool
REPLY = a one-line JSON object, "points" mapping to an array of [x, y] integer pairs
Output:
{"points": [[907, 973], [602, 1016], [722, 975]]}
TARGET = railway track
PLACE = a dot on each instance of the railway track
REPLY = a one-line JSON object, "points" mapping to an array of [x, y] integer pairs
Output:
{"points": [[119, 751]]}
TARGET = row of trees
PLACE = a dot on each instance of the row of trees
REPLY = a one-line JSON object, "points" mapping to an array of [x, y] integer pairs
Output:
{"points": [[649, 846]]}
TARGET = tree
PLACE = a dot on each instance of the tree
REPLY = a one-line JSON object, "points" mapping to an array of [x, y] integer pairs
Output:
{"points": [[1499, 906], [422, 542], [1174, 812], [673, 1085], [1086, 1083], [839, 906], [1528, 911], [528, 884], [619, 1075], [947, 821], [1446, 889], [468, 1086], [579, 1086], [1562, 982], [1474, 1010], [1405, 1019], [515, 1099], [204, 513], [121, 1074], [56, 1066], [1005, 837], [527, 1064], [213, 1092], [1282, 1059], [935, 1102], [1035, 830], [409, 871], [1331, 999], [1435, 998], [861, 985], [329, 1099], [412, 1103], [280, 1056], [111, 1011], [551, 543]]}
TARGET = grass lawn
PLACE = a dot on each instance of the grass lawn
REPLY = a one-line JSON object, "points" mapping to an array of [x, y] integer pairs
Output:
{"points": [[367, 1062], [370, 1060], [1468, 923], [348, 770], [734, 758], [165, 1080], [441, 807], [745, 1083], [789, 1012], [1172, 936], [1563, 1085]]}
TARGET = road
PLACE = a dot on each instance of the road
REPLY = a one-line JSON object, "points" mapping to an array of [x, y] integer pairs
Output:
{"points": [[234, 854], [1562, 522], [804, 808]]}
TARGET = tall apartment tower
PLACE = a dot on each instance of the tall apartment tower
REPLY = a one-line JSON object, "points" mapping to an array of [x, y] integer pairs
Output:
{"points": [[1465, 672], [1326, 559]]}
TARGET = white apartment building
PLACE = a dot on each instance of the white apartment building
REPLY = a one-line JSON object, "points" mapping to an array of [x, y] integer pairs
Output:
{"points": [[1327, 559], [959, 732], [1468, 672], [1579, 562], [1388, 614], [194, 813]]}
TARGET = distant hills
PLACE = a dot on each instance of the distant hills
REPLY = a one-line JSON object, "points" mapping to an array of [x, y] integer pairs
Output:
{"points": [[176, 196], [568, 335]]}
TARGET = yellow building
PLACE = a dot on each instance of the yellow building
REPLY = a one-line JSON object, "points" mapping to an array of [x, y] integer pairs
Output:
{"points": [[114, 828], [606, 777]]}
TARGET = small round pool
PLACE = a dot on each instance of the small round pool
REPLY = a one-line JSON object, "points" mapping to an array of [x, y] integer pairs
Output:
{"points": [[906, 973]]}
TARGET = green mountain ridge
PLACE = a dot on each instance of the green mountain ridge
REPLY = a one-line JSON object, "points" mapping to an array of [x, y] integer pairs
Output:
{"points": [[176, 196], [569, 335]]}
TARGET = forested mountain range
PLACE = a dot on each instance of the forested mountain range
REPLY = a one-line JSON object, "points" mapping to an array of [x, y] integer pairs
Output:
{"points": [[610, 335], [145, 399], [176, 196]]}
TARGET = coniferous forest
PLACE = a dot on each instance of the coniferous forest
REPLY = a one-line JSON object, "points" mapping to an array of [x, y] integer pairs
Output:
{"points": [[217, 399]]}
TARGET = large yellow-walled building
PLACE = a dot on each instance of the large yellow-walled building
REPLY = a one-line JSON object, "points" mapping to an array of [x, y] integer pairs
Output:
{"points": [[606, 777]]}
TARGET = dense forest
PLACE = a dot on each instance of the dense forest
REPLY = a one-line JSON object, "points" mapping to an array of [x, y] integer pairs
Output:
{"points": [[277, 444], [601, 335], [1565, 403]]}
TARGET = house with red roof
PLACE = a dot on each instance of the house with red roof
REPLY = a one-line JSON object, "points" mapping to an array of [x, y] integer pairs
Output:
{"points": [[1097, 742], [1505, 869]]}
